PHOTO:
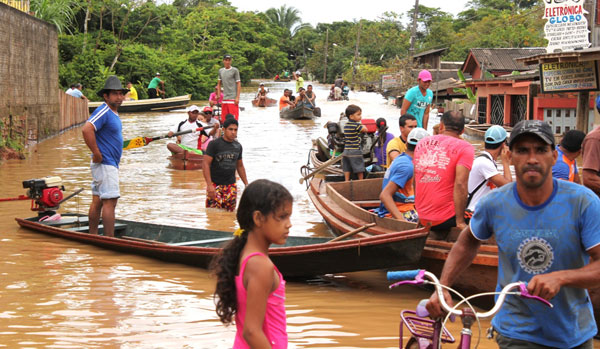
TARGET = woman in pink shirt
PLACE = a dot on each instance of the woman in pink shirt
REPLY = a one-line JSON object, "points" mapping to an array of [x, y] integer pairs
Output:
{"points": [[249, 285], [212, 99]]}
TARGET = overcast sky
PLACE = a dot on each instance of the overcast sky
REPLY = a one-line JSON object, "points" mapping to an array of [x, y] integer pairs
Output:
{"points": [[327, 11]]}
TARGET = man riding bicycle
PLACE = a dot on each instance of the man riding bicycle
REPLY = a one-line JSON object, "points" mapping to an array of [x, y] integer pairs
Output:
{"points": [[546, 231]]}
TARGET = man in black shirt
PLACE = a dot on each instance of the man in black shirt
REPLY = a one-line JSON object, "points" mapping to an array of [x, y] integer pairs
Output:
{"points": [[223, 157]]}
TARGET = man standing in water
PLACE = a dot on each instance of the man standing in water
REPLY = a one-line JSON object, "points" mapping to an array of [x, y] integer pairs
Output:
{"points": [[229, 78], [417, 100], [102, 133], [223, 157], [546, 230]]}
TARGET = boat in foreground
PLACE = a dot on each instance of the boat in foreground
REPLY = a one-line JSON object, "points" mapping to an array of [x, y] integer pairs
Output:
{"points": [[186, 161], [299, 257], [344, 206], [299, 113], [154, 104], [269, 102]]}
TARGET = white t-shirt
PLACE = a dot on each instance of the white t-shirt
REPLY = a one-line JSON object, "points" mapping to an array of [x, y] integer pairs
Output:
{"points": [[188, 139], [483, 169]]}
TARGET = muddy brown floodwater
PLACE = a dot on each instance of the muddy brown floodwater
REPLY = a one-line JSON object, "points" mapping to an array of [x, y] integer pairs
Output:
{"points": [[60, 294]]}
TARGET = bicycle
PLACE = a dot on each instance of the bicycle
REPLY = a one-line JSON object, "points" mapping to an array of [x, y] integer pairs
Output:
{"points": [[430, 334]]}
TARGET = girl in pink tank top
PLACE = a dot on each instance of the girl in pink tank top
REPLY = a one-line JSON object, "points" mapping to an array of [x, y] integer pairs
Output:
{"points": [[250, 288]]}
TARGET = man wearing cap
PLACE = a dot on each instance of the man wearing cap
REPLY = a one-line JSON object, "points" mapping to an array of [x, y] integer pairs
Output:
{"points": [[188, 141], [568, 150], [484, 175], [299, 81], [546, 231], [229, 78], [442, 165], [103, 135], [397, 191], [417, 100], [153, 89], [213, 133]]}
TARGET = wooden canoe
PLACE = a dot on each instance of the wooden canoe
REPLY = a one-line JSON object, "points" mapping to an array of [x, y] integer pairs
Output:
{"points": [[185, 161], [299, 113], [154, 104], [269, 102], [476, 132], [344, 206], [299, 257]]}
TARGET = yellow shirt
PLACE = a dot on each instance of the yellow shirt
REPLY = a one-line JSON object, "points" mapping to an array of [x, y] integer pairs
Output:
{"points": [[133, 93], [395, 144]]}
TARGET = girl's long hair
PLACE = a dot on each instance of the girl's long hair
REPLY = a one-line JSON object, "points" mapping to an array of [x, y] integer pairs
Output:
{"points": [[381, 124], [261, 195]]}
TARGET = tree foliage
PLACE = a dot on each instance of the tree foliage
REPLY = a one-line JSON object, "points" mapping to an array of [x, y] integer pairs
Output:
{"points": [[185, 40]]}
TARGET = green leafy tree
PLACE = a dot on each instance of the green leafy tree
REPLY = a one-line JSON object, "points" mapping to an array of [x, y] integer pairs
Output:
{"points": [[60, 13]]}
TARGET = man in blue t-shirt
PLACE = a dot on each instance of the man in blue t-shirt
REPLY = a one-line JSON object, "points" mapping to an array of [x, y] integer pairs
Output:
{"points": [[546, 231], [397, 189], [417, 100], [102, 133]]}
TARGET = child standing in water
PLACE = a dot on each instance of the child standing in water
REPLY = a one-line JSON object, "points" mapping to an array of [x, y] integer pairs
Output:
{"points": [[249, 285], [352, 158]]}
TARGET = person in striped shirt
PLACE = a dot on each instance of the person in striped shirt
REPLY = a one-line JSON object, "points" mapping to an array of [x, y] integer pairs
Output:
{"points": [[352, 160]]}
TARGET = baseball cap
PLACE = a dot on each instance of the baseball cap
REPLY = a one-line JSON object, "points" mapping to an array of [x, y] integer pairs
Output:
{"points": [[227, 56], [207, 109], [157, 73], [536, 127], [425, 75], [192, 108], [495, 134], [261, 84], [572, 140], [416, 135]]}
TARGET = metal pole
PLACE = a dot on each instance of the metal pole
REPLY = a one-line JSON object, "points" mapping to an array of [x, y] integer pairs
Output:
{"points": [[326, 46]]}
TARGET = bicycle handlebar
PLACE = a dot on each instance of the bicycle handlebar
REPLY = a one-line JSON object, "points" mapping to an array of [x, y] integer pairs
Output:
{"points": [[417, 277]]}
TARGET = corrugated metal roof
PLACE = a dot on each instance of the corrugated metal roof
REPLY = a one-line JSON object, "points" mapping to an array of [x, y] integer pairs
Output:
{"points": [[504, 58], [428, 52]]}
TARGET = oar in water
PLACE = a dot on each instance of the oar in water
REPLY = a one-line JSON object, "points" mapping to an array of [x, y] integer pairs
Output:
{"points": [[139, 142]]}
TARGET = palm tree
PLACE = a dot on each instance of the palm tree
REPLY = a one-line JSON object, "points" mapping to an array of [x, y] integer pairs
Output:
{"points": [[287, 18], [60, 13]]}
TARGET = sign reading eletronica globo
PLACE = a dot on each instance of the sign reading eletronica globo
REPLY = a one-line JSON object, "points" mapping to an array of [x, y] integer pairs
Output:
{"points": [[567, 27]]}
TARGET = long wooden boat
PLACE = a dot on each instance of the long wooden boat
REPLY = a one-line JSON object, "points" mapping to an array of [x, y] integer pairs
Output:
{"points": [[477, 131], [154, 104], [344, 206], [186, 161], [299, 113], [282, 80], [269, 102], [299, 257]]}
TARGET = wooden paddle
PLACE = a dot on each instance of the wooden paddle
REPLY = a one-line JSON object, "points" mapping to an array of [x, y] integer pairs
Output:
{"points": [[139, 142], [321, 168], [353, 232]]}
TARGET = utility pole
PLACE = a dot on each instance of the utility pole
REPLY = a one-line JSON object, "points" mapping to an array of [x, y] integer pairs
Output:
{"points": [[326, 46], [356, 51], [413, 32]]}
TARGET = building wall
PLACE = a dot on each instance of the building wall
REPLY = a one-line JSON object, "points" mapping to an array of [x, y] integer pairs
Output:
{"points": [[29, 102]]}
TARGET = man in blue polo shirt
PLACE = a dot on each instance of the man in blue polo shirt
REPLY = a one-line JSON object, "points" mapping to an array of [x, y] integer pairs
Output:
{"points": [[546, 231], [102, 133]]}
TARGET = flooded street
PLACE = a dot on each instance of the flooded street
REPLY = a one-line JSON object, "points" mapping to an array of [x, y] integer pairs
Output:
{"points": [[61, 294]]}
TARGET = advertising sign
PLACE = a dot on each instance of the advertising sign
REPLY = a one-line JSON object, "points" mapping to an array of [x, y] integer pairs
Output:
{"points": [[390, 81], [568, 76], [567, 26]]}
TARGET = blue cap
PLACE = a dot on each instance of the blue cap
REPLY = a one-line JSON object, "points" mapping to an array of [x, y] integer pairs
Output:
{"points": [[598, 103], [495, 134]]}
